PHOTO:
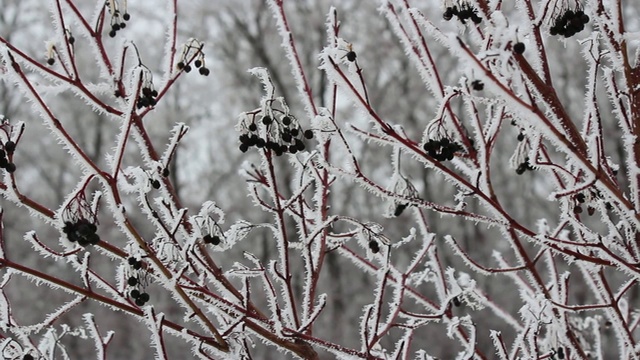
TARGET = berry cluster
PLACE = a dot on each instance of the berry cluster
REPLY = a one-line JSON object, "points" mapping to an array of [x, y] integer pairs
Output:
{"points": [[442, 149], [9, 148], [135, 263], [139, 297], [147, 97], [202, 70], [192, 49], [117, 24], [588, 199], [284, 135], [465, 12], [569, 23], [81, 231], [524, 166]]}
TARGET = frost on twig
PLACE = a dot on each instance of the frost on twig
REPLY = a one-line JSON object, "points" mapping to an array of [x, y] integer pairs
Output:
{"points": [[415, 125]]}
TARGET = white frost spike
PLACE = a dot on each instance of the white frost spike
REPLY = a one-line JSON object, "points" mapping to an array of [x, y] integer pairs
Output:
{"points": [[322, 301], [49, 345], [468, 323], [409, 238], [94, 333], [292, 55], [5, 312], [462, 287], [154, 324], [623, 305], [95, 202], [178, 132], [323, 123], [210, 208], [10, 349], [543, 226], [263, 74], [140, 180], [236, 233], [497, 344], [422, 355]]}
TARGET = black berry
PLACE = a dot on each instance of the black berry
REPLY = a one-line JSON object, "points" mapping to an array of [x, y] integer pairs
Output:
{"points": [[518, 48], [477, 85], [308, 134], [9, 146], [374, 247]]}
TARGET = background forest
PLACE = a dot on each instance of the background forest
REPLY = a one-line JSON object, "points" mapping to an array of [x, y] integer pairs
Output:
{"points": [[466, 187]]}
